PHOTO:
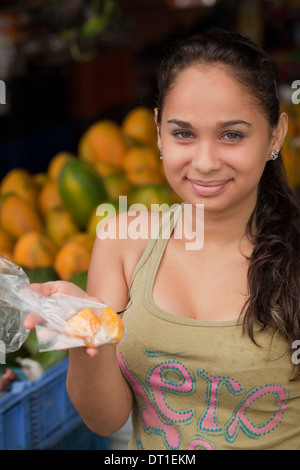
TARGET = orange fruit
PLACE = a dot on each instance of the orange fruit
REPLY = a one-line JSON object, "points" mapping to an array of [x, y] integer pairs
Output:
{"points": [[142, 166], [139, 127], [85, 325], [56, 164], [18, 216], [74, 256], [33, 250], [49, 198], [20, 182], [103, 142], [60, 225], [112, 324]]}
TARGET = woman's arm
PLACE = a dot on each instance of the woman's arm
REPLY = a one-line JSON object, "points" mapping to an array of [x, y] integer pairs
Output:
{"points": [[96, 385]]}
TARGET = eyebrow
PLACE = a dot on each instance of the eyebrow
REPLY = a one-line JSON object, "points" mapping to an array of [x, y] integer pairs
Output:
{"points": [[180, 123], [233, 123], [221, 124]]}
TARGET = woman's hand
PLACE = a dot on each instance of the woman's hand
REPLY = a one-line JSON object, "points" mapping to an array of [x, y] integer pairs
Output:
{"points": [[57, 287]]}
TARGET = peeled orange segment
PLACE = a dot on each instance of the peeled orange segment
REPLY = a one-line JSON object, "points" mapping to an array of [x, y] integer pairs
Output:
{"points": [[96, 328], [112, 323], [85, 324]]}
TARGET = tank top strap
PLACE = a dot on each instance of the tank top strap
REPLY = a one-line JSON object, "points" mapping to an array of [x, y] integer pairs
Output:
{"points": [[159, 237]]}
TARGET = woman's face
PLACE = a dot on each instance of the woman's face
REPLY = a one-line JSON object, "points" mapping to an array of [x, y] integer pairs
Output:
{"points": [[215, 139]]}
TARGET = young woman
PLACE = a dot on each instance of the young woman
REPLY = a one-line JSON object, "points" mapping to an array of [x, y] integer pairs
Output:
{"points": [[206, 362]]}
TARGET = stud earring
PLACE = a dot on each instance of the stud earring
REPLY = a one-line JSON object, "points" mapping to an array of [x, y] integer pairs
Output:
{"points": [[274, 154], [160, 156]]}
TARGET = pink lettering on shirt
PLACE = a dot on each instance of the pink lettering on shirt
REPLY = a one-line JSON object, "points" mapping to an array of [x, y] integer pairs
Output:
{"points": [[171, 377], [200, 444], [240, 419], [160, 382], [163, 420], [209, 420]]}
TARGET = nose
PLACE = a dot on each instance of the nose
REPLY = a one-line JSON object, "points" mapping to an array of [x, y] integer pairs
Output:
{"points": [[205, 158]]}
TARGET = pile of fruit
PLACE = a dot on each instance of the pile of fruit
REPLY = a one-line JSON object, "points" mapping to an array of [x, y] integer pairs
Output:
{"points": [[48, 220]]}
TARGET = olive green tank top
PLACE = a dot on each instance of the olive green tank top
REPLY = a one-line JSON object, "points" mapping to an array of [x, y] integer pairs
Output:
{"points": [[203, 385]]}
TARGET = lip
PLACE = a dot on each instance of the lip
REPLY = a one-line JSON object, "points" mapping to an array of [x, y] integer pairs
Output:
{"points": [[208, 188]]}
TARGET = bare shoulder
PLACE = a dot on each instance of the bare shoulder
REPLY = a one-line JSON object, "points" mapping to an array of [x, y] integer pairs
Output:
{"points": [[118, 246]]}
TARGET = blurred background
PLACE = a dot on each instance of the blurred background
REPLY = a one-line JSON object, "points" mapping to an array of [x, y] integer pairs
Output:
{"points": [[77, 92], [68, 63]]}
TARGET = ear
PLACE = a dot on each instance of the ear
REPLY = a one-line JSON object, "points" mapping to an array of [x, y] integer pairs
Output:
{"points": [[157, 127], [280, 131]]}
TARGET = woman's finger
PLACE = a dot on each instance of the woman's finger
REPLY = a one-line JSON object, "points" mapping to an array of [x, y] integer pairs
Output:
{"points": [[57, 287], [32, 320], [91, 351]]}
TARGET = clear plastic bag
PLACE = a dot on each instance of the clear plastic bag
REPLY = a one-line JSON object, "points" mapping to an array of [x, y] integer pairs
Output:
{"points": [[68, 321], [12, 331]]}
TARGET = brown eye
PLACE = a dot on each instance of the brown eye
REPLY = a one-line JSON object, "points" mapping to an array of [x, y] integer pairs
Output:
{"points": [[233, 136], [182, 134]]}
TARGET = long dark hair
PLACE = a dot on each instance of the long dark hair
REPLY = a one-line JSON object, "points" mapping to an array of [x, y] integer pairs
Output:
{"points": [[274, 266]]}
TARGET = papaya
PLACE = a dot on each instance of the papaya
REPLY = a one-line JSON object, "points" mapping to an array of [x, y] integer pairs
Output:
{"points": [[20, 182], [103, 142], [56, 164], [150, 194], [116, 185], [142, 166], [139, 127], [81, 189], [17, 216], [49, 198], [60, 225], [33, 250], [74, 256]]}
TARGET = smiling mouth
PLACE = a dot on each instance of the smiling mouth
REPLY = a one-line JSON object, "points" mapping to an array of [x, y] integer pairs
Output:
{"points": [[208, 188]]}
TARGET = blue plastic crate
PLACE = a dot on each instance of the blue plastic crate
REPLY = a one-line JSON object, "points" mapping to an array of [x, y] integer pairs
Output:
{"points": [[51, 409], [40, 415], [15, 426]]}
